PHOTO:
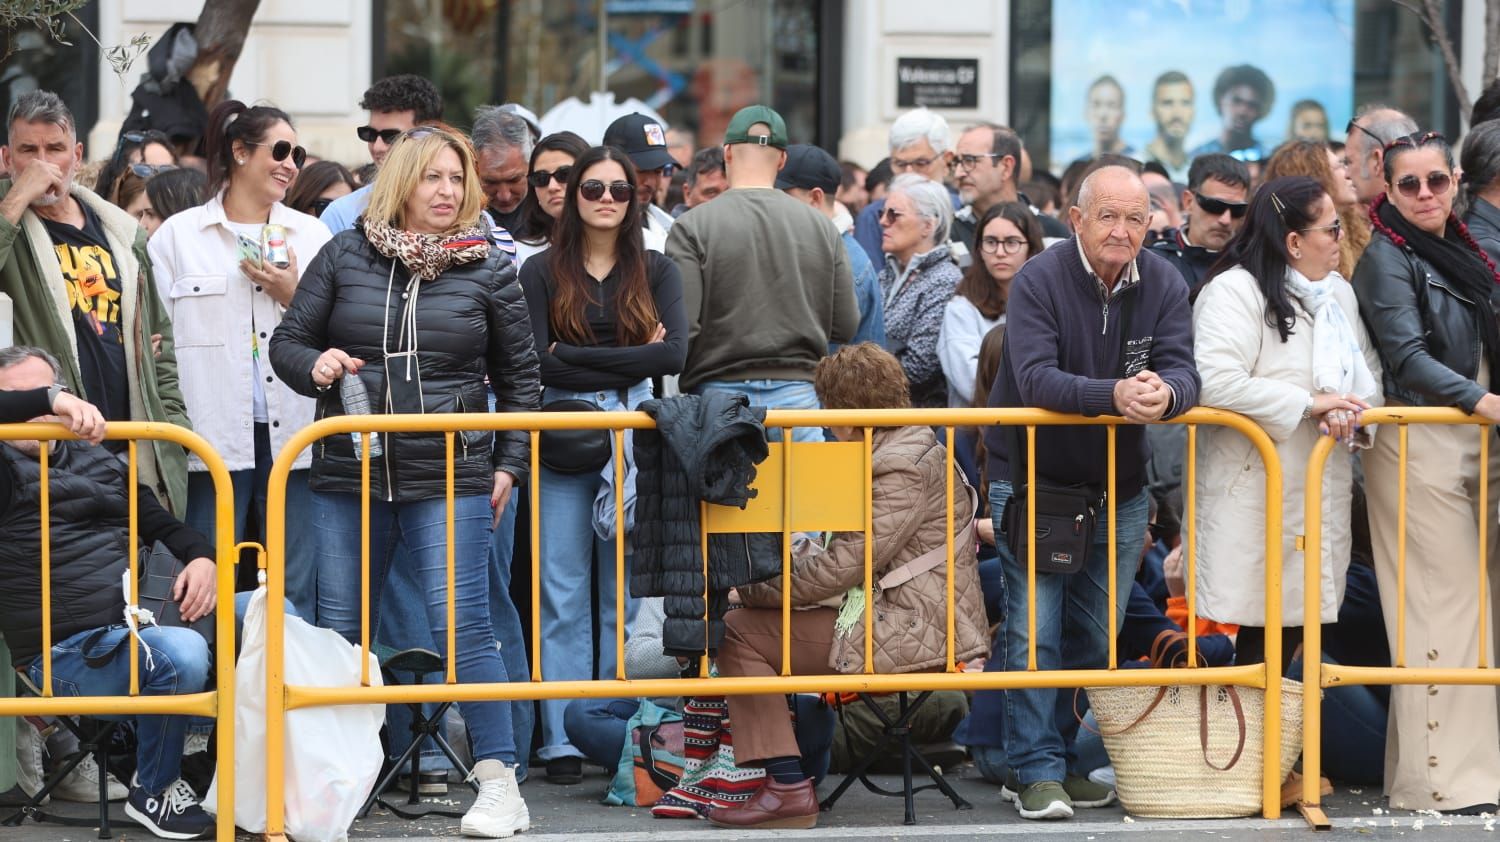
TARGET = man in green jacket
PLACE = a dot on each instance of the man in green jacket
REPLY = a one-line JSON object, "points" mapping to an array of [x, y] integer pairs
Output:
{"points": [[76, 269]]}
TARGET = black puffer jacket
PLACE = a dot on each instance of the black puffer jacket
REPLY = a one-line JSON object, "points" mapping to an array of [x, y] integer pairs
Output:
{"points": [[470, 320], [1192, 261], [704, 448], [1427, 332]]}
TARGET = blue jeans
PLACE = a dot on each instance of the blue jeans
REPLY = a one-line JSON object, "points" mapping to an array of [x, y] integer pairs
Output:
{"points": [[1354, 730], [250, 495], [577, 572], [773, 394], [419, 527], [178, 665], [1072, 628]]}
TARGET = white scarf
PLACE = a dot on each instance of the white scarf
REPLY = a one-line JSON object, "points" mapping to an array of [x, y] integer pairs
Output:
{"points": [[1338, 363]]}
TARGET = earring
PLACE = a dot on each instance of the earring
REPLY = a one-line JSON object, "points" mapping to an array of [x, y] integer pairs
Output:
{"points": [[240, 161], [1296, 255]]}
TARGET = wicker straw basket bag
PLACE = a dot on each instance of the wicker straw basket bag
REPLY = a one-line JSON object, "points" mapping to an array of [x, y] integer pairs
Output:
{"points": [[1193, 752]]}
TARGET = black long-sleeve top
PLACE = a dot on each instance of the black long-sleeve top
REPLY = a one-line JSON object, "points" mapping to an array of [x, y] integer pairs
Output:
{"points": [[154, 522], [604, 363]]}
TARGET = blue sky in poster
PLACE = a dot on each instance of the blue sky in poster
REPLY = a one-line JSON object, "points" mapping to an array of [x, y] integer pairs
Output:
{"points": [[1306, 47]]}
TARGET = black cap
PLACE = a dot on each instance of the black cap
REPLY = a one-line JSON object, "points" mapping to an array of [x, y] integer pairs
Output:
{"points": [[808, 166], [642, 138]]}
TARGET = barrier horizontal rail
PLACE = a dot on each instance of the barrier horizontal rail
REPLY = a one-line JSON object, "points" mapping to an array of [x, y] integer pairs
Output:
{"points": [[217, 703], [1316, 674], [283, 698]]}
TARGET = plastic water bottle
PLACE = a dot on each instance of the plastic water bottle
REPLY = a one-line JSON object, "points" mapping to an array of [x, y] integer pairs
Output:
{"points": [[356, 401]]}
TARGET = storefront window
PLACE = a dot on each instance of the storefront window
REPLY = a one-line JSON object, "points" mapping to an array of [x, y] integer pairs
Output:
{"points": [[695, 62]]}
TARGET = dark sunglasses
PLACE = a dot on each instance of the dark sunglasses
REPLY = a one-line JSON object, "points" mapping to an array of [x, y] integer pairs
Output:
{"points": [[283, 148], [889, 215], [541, 178], [148, 170], [1353, 126], [369, 133], [1216, 207], [593, 190], [1411, 186], [319, 205]]}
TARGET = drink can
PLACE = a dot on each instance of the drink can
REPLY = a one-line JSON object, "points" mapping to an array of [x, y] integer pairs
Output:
{"points": [[273, 246]]}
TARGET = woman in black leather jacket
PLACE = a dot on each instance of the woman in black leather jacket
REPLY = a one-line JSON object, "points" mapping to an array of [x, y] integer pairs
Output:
{"points": [[1479, 194], [418, 305], [1427, 294]]}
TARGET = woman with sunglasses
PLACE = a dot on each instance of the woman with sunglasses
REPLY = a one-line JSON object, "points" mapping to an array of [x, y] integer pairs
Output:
{"points": [[1427, 292], [551, 163], [318, 186], [1007, 236], [917, 280], [152, 148], [226, 270], [608, 316], [1277, 336], [1331, 170], [415, 305], [1427, 289]]}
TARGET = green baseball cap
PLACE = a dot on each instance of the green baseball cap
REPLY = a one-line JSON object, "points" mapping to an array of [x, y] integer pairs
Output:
{"points": [[739, 127]]}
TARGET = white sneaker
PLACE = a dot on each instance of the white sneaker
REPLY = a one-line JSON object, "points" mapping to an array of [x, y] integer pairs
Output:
{"points": [[82, 784], [30, 771], [1103, 776], [498, 810]]}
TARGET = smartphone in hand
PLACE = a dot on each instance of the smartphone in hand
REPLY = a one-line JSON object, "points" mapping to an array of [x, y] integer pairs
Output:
{"points": [[249, 250]]}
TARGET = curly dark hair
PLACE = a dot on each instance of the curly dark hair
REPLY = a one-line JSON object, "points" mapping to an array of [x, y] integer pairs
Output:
{"points": [[1246, 74], [406, 92]]}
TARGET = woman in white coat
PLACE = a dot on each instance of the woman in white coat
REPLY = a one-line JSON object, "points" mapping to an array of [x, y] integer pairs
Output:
{"points": [[1277, 338]]}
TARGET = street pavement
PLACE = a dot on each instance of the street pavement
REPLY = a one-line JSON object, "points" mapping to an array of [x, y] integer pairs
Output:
{"points": [[575, 814]]}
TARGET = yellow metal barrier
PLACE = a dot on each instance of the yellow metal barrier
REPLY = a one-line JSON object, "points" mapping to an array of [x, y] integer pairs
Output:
{"points": [[815, 498], [1315, 673], [218, 702]]}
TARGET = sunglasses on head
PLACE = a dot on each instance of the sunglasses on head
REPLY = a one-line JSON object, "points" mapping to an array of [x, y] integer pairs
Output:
{"points": [[541, 178], [369, 133], [593, 190], [148, 170], [1216, 207], [281, 149]]}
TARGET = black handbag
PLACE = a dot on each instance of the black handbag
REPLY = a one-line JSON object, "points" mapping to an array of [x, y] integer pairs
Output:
{"points": [[1066, 517], [159, 570], [574, 451]]}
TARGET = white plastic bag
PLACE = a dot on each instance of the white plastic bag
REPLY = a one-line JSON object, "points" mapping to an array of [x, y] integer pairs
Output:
{"points": [[333, 754]]}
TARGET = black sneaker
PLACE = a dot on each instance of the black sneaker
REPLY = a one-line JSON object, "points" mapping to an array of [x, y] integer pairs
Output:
{"points": [[564, 770], [174, 814]]}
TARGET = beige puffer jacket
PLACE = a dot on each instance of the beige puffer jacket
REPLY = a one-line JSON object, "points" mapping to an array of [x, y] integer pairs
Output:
{"points": [[910, 632]]}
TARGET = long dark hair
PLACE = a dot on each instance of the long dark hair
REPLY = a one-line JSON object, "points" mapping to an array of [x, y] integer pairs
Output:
{"points": [[977, 285], [233, 120], [536, 225], [1279, 207], [174, 191], [313, 180], [573, 291], [109, 175]]}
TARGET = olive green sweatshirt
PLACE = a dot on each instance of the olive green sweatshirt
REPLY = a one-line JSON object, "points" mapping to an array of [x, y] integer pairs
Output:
{"points": [[767, 285]]}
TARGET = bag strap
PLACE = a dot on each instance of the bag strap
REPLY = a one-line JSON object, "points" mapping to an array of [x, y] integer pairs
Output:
{"points": [[933, 557], [645, 739], [1239, 715]]}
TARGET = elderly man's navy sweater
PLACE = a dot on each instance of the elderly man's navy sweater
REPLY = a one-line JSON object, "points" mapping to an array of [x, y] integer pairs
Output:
{"points": [[1063, 352]]}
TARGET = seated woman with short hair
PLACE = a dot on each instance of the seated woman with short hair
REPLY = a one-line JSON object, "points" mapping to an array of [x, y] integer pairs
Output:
{"points": [[909, 501]]}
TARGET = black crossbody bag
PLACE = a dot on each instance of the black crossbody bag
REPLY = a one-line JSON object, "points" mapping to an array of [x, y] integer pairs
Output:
{"points": [[1066, 515]]}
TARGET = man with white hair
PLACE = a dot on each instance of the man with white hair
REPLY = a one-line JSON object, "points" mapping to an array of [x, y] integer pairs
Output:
{"points": [[922, 143], [1095, 326], [1364, 145], [76, 268]]}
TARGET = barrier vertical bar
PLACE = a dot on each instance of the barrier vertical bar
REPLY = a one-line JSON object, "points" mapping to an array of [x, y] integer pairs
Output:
{"points": [[276, 700], [1110, 506], [786, 550], [1484, 523], [1271, 753], [133, 597], [1400, 653], [1312, 625], [950, 664], [364, 560], [536, 555], [869, 498], [43, 458], [1030, 546], [620, 583], [1190, 550], [451, 677]]}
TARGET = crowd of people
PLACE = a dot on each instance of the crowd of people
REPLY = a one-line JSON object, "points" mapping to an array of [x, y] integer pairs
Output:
{"points": [[243, 289]]}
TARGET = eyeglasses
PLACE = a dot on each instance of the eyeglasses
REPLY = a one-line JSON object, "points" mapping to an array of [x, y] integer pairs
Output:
{"points": [[898, 165], [889, 215], [369, 133], [1216, 207], [541, 178], [593, 190], [148, 170], [319, 205], [969, 162], [1335, 230], [1437, 182], [281, 149], [1010, 245], [1350, 128]]}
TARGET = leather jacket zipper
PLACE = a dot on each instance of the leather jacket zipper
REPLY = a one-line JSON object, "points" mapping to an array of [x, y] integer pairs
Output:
{"points": [[1476, 348]]}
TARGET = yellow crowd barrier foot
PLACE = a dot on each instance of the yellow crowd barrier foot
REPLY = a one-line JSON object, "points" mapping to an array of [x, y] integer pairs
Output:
{"points": [[1314, 816]]}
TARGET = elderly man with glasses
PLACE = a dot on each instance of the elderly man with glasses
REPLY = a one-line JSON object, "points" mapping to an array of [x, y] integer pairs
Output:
{"points": [[921, 143]]}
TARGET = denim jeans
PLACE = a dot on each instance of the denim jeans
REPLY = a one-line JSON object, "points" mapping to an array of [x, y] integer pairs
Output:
{"points": [[773, 394], [1072, 632], [178, 664], [250, 495], [578, 576], [1354, 730], [419, 526]]}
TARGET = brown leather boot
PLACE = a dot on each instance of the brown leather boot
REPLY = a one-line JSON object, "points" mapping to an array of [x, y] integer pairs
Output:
{"points": [[774, 805]]}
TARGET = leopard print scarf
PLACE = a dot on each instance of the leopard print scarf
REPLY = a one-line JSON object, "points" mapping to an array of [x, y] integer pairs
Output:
{"points": [[427, 255]]}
